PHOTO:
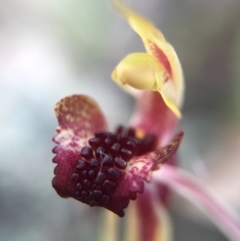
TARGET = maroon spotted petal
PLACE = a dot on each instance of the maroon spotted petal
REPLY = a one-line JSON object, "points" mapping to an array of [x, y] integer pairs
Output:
{"points": [[79, 117]]}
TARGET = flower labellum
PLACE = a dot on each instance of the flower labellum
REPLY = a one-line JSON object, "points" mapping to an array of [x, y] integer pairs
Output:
{"points": [[101, 168]]}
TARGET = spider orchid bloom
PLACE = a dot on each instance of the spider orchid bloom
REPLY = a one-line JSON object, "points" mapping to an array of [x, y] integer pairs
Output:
{"points": [[108, 169]]}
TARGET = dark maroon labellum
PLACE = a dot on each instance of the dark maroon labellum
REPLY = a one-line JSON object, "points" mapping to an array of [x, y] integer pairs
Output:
{"points": [[103, 163]]}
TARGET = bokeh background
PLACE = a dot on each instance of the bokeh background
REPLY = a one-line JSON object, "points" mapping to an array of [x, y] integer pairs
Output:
{"points": [[50, 49]]}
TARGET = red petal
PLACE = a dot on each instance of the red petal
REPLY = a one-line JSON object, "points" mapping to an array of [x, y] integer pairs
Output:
{"points": [[79, 117], [153, 116]]}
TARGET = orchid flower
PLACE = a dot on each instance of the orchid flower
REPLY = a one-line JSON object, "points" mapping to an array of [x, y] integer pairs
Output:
{"points": [[108, 169]]}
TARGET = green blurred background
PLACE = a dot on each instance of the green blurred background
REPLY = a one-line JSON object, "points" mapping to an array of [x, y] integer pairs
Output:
{"points": [[50, 49]]}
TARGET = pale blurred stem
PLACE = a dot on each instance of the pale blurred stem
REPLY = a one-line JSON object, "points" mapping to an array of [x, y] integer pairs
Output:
{"points": [[187, 186], [131, 231], [108, 226], [165, 230]]}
